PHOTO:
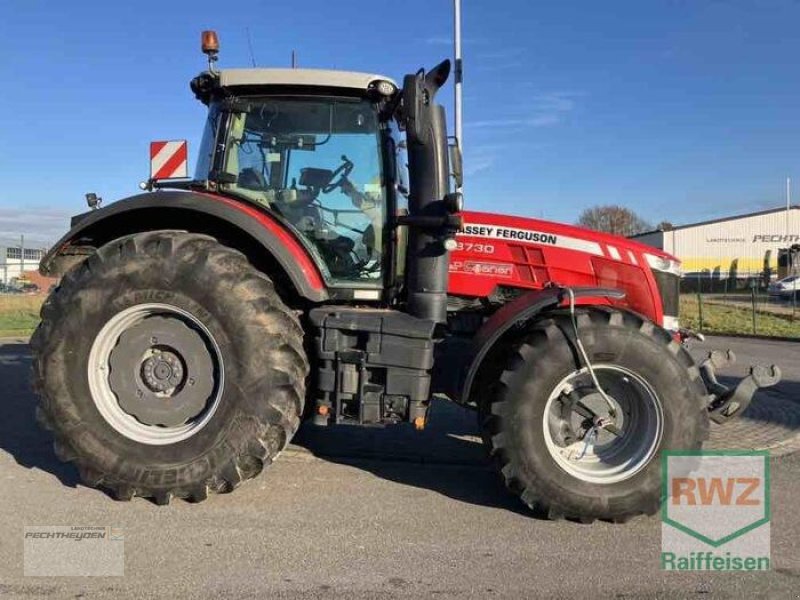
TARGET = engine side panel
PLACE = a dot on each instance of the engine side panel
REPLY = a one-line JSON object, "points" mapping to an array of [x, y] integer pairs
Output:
{"points": [[498, 251]]}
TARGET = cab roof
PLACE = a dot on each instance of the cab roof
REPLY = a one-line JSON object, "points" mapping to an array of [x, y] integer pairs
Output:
{"points": [[298, 77]]}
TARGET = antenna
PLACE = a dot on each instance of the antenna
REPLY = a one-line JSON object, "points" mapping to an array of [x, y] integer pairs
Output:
{"points": [[250, 46]]}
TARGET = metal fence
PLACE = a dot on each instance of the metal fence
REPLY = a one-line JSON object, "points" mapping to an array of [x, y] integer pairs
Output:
{"points": [[739, 306]]}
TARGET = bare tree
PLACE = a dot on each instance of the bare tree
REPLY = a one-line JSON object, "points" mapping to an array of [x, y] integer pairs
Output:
{"points": [[665, 226], [613, 219]]}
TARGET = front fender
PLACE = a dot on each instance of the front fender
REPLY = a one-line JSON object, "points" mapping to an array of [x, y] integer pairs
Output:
{"points": [[514, 315], [144, 212]]}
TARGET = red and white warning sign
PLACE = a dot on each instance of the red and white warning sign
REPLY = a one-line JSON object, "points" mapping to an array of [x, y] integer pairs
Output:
{"points": [[168, 160]]}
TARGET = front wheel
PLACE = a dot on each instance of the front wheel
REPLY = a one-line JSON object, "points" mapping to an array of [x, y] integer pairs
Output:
{"points": [[168, 367], [568, 450]]}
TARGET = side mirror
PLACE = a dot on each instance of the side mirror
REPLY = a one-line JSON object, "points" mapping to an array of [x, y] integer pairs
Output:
{"points": [[315, 178], [456, 164]]}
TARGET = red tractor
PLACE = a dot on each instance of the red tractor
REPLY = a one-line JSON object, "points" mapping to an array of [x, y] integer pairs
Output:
{"points": [[319, 266]]}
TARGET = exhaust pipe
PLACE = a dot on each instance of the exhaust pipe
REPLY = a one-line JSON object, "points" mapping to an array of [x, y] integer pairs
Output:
{"points": [[430, 220]]}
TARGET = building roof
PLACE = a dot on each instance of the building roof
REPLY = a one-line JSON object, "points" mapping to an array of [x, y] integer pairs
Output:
{"points": [[720, 220], [299, 77]]}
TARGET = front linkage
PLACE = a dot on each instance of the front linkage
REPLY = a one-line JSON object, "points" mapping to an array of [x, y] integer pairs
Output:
{"points": [[724, 402]]}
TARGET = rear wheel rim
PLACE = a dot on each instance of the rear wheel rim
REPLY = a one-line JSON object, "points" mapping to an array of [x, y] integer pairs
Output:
{"points": [[156, 374], [608, 458]]}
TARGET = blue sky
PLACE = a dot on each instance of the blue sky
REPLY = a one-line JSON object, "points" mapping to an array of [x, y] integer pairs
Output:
{"points": [[682, 110]]}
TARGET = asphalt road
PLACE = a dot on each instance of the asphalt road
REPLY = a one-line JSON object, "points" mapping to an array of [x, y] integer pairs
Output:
{"points": [[392, 513]]}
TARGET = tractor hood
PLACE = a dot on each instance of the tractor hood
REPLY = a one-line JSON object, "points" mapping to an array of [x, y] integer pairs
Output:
{"points": [[503, 255], [520, 229]]}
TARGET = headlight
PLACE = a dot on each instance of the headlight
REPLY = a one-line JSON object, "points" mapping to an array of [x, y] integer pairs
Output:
{"points": [[383, 87], [659, 263]]}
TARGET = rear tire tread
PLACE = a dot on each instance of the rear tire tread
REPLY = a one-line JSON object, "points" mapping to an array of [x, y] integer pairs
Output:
{"points": [[260, 303]]}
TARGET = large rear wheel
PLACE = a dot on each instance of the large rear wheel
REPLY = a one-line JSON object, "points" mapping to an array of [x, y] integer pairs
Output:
{"points": [[168, 367], [570, 451]]}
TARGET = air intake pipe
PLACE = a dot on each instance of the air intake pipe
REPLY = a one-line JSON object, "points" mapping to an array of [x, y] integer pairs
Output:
{"points": [[430, 220]]}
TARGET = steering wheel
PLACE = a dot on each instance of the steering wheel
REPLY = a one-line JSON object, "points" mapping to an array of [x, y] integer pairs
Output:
{"points": [[342, 172]]}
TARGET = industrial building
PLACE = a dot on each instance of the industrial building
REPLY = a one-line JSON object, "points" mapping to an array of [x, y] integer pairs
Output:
{"points": [[737, 247], [16, 258]]}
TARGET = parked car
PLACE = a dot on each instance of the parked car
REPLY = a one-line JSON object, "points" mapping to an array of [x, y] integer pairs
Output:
{"points": [[784, 288]]}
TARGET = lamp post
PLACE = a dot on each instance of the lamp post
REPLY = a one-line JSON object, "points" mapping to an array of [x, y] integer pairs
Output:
{"points": [[788, 204], [459, 73]]}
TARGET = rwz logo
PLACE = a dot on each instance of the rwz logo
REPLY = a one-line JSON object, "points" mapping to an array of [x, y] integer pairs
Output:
{"points": [[702, 490], [712, 499]]}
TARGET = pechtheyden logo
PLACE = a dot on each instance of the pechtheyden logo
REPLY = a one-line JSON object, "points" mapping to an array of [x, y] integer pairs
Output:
{"points": [[716, 511], [74, 551]]}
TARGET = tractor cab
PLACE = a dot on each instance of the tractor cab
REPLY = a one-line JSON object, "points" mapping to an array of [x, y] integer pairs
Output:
{"points": [[317, 149], [320, 151]]}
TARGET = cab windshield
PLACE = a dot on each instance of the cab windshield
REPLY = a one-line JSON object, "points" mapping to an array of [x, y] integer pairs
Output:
{"points": [[317, 162]]}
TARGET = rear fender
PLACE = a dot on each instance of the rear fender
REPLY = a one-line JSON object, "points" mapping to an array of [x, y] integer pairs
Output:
{"points": [[187, 210], [514, 316]]}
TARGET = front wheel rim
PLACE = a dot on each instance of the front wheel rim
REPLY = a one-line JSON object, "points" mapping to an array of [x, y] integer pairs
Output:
{"points": [[606, 458], [159, 375]]}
